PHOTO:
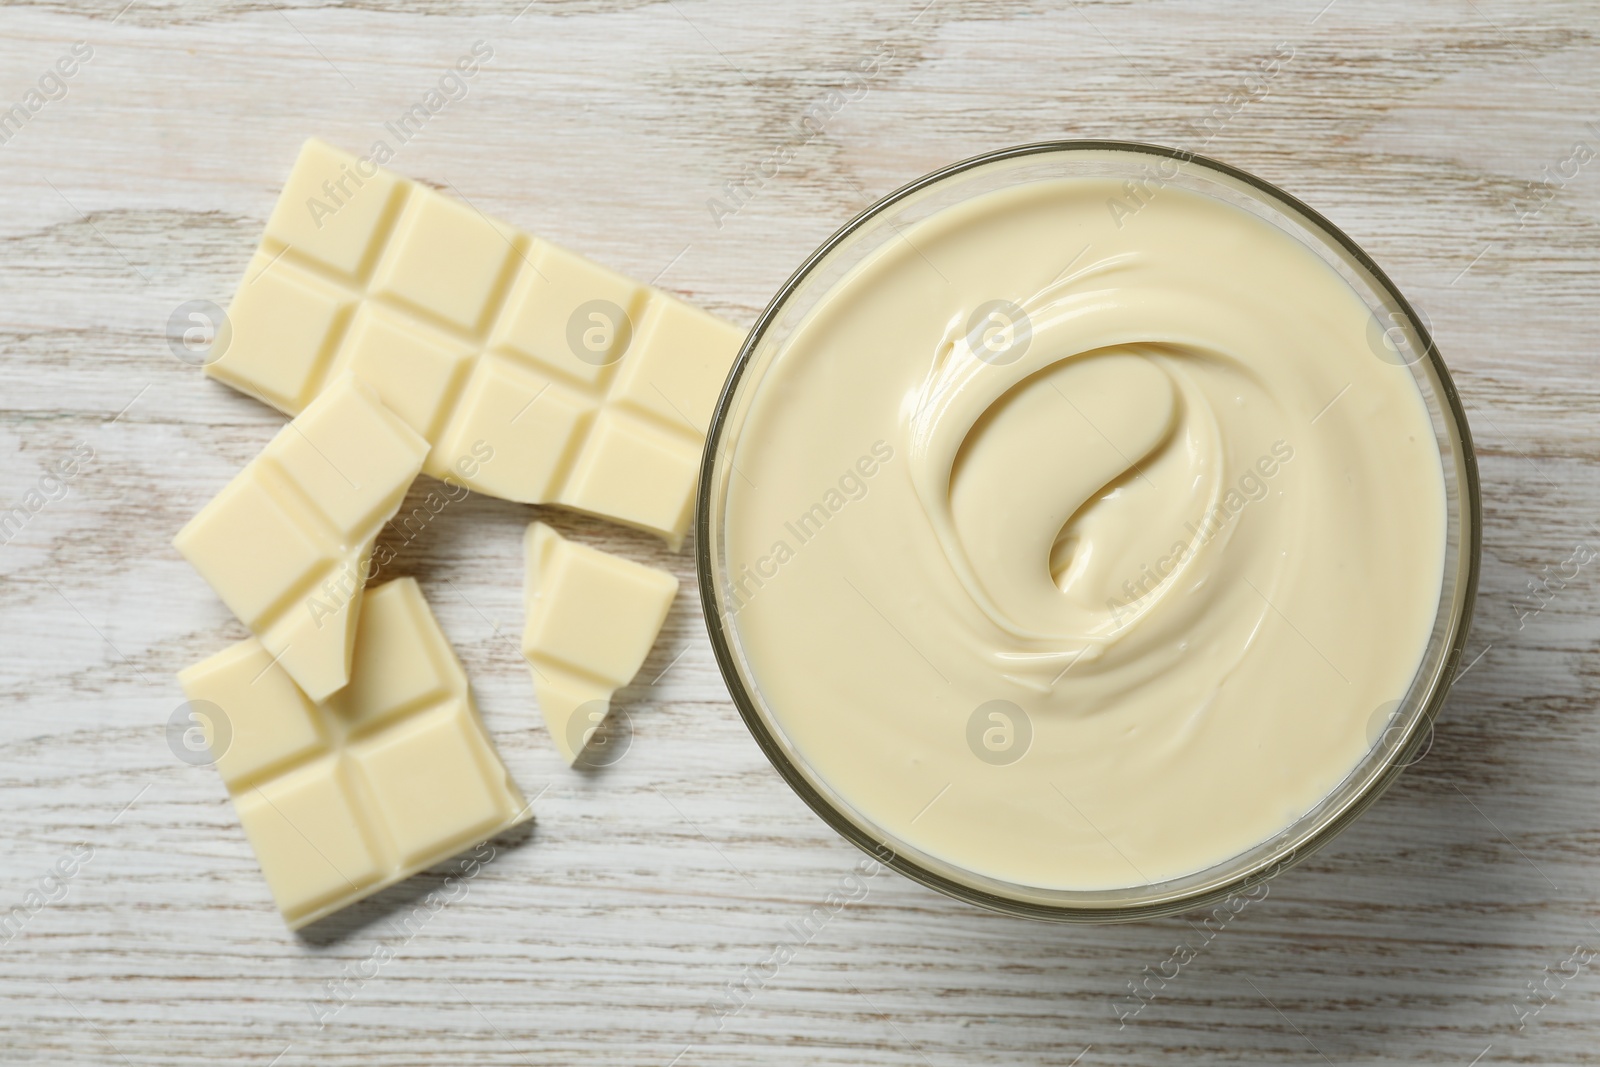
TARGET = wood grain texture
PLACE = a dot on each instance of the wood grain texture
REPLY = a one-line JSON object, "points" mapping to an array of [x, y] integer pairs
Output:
{"points": [[607, 934]]}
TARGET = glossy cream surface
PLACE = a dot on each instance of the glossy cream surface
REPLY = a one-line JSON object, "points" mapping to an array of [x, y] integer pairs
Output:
{"points": [[1083, 549]]}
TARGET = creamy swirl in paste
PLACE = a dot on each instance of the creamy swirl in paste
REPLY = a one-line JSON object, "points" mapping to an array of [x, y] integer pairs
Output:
{"points": [[1158, 504]]}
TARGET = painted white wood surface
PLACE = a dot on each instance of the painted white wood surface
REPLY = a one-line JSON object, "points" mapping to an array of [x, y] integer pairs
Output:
{"points": [[607, 934]]}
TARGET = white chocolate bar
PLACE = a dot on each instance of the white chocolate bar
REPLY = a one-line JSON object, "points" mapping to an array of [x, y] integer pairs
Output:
{"points": [[591, 619], [593, 391], [392, 775], [286, 544]]}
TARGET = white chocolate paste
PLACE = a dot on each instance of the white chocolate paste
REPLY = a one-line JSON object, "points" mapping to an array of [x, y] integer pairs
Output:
{"points": [[1082, 552]]}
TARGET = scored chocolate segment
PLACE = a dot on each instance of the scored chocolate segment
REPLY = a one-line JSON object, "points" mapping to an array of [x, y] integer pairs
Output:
{"points": [[591, 620], [287, 542], [395, 773], [534, 374]]}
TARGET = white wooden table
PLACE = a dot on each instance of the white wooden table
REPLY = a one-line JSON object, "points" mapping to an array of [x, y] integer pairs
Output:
{"points": [[607, 934]]}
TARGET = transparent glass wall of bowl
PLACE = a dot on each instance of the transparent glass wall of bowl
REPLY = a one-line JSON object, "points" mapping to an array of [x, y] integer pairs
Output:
{"points": [[883, 223]]}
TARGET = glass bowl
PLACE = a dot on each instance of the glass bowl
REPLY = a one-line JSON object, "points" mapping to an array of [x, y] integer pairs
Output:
{"points": [[1405, 340]]}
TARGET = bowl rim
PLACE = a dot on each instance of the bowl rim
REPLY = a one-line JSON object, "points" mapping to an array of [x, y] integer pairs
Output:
{"points": [[1421, 729]]}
